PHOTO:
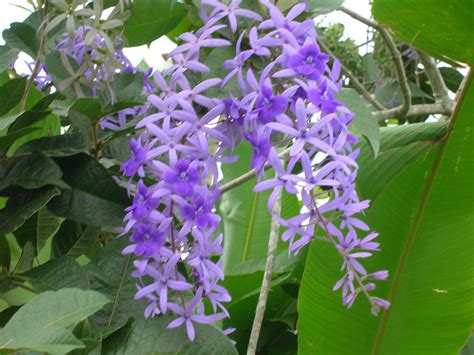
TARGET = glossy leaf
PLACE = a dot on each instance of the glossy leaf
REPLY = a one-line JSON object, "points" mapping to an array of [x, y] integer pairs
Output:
{"points": [[22, 37], [54, 146], [424, 217]]}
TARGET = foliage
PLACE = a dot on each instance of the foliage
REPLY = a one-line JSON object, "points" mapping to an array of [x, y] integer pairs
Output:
{"points": [[66, 287]]}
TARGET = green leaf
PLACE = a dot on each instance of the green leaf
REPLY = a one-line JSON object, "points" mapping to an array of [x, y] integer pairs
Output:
{"points": [[321, 7], [22, 36], [452, 78], [7, 56], [149, 336], [4, 253], [88, 106], [110, 273], [128, 87], [57, 274], [400, 147], [23, 205], [364, 122], [418, 23], [7, 141], [25, 262], [38, 229], [40, 325], [30, 172], [424, 217], [73, 239], [91, 186], [11, 94], [245, 216], [152, 19], [55, 146]]}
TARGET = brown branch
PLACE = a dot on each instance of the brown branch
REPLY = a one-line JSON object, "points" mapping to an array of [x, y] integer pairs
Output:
{"points": [[404, 108], [415, 110], [358, 86]]}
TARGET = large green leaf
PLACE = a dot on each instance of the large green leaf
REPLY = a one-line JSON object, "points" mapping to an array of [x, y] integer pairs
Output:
{"points": [[245, 216], [11, 94], [152, 19], [41, 324], [110, 273], [94, 198], [73, 239], [55, 146], [425, 220], [441, 29], [30, 172], [56, 274], [23, 205], [152, 336], [7, 56], [22, 37], [38, 229]]}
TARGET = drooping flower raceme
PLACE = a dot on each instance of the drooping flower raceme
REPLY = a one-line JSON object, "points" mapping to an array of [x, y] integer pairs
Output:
{"points": [[289, 104]]}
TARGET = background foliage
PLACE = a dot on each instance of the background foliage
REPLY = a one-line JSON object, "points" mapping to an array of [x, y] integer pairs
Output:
{"points": [[65, 287]]}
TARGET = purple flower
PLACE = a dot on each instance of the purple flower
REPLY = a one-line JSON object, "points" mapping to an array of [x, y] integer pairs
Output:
{"points": [[269, 106], [183, 177], [148, 240], [187, 316]]}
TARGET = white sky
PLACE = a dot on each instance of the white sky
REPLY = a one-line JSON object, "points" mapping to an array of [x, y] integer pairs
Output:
{"points": [[9, 13]]}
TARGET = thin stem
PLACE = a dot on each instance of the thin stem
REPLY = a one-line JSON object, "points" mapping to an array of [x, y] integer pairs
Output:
{"points": [[415, 110], [36, 68], [440, 91], [249, 175], [267, 278], [404, 108], [354, 81], [174, 251]]}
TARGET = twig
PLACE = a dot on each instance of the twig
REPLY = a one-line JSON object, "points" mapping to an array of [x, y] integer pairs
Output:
{"points": [[404, 108], [415, 110], [36, 68], [267, 278], [249, 175], [354, 81], [440, 91]]}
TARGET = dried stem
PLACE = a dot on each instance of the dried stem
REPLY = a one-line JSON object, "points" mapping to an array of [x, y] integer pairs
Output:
{"points": [[36, 68], [267, 278], [415, 110], [404, 108], [358, 86], [440, 91]]}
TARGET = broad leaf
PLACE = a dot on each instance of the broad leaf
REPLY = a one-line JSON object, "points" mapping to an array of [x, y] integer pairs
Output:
{"points": [[73, 239], [55, 146], [30, 172], [56, 274], [11, 94], [424, 217], [110, 273], [41, 324], [22, 206], [149, 336], [94, 198], [152, 19], [22, 37], [38, 229], [7, 56], [245, 216], [418, 23]]}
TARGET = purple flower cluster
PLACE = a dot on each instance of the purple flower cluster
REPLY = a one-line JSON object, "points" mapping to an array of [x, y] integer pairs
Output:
{"points": [[289, 104]]}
